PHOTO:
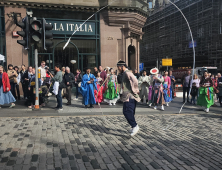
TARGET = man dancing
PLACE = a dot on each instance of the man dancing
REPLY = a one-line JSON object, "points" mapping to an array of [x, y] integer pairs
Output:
{"points": [[129, 95]]}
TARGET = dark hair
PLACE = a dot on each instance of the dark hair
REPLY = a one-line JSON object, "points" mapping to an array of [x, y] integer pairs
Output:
{"points": [[16, 67], [57, 65], [29, 67], [78, 70], [23, 65], [10, 65], [144, 71]]}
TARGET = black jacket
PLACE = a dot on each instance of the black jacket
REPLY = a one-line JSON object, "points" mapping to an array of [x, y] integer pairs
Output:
{"points": [[25, 76], [22, 76], [68, 77], [79, 79]]}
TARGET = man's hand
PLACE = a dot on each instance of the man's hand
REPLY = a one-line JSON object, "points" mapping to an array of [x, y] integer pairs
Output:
{"points": [[89, 82], [29, 88], [67, 83], [7, 89]]}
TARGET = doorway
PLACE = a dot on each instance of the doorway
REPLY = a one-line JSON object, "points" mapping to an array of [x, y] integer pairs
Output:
{"points": [[64, 57], [131, 57]]}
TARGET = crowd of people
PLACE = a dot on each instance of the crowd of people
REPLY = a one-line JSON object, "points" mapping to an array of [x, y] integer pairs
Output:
{"points": [[104, 85]]}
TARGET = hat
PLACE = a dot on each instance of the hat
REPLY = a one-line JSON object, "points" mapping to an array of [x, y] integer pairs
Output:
{"points": [[121, 63], [154, 71]]}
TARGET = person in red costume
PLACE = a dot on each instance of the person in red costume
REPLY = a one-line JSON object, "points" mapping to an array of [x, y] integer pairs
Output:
{"points": [[6, 96]]}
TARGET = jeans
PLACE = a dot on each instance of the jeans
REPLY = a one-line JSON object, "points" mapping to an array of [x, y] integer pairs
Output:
{"points": [[77, 91], [186, 90], [12, 84], [59, 99], [17, 90], [193, 99], [129, 109]]}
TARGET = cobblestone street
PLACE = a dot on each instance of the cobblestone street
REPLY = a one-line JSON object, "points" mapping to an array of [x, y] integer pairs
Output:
{"points": [[191, 142]]}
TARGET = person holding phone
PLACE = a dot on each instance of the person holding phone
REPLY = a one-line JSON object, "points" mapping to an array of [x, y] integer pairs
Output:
{"points": [[87, 89]]}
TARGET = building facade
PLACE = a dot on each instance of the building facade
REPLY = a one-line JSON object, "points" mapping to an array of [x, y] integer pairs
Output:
{"points": [[109, 36], [167, 35]]}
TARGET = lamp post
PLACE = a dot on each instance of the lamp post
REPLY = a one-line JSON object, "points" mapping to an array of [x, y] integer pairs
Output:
{"points": [[73, 61]]}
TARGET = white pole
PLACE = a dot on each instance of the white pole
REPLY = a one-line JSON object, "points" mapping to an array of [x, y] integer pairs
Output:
{"points": [[36, 80]]}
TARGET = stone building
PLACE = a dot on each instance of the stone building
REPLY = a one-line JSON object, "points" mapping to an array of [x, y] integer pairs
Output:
{"points": [[109, 36]]}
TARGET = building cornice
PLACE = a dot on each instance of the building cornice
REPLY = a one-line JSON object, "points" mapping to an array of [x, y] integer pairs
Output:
{"points": [[25, 4]]}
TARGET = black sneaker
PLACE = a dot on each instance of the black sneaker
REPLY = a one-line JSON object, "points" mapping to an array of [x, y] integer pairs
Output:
{"points": [[86, 106], [68, 104], [91, 106]]}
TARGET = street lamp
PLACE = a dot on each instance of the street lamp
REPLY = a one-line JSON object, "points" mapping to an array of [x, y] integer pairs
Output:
{"points": [[73, 61], [49, 61]]}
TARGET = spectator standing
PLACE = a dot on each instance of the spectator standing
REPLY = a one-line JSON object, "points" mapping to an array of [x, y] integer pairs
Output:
{"points": [[102, 73], [18, 82], [78, 80], [95, 71], [6, 96], [219, 77], [26, 78], [186, 86], [24, 87], [31, 89], [63, 71], [173, 81], [12, 74], [215, 85], [220, 90], [136, 74], [167, 90], [144, 83], [43, 71], [69, 80], [58, 78]]}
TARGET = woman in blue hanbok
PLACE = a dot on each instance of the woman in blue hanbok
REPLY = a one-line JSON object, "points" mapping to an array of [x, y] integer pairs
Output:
{"points": [[87, 89]]}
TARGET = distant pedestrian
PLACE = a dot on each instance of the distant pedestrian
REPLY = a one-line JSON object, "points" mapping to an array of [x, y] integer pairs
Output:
{"points": [[136, 74], [17, 84], [69, 80], [58, 78], [144, 84], [129, 95], [186, 85], [95, 71], [26, 81], [220, 91], [102, 73], [78, 81], [6, 96], [215, 85], [43, 71], [63, 71], [24, 87], [173, 81], [12, 74], [32, 90], [87, 89]]}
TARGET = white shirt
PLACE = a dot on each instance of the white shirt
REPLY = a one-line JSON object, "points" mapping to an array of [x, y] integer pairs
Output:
{"points": [[43, 72]]}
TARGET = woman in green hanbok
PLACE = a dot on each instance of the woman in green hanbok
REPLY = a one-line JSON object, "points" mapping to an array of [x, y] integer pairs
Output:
{"points": [[111, 94]]}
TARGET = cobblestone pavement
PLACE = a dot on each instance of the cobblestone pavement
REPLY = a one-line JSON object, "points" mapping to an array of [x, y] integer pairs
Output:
{"points": [[193, 142]]}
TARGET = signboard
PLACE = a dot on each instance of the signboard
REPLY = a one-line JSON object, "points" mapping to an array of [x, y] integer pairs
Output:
{"points": [[167, 62], [141, 66], [68, 27], [14, 34], [191, 44]]}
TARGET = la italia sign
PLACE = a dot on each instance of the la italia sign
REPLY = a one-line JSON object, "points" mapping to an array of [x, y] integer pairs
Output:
{"points": [[68, 27]]}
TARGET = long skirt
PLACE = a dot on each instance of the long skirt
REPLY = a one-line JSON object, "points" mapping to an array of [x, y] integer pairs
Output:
{"points": [[206, 97], [157, 96], [112, 94], [6, 98], [167, 94], [99, 94]]}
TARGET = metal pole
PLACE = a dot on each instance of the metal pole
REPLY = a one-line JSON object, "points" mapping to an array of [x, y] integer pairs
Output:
{"points": [[36, 80]]}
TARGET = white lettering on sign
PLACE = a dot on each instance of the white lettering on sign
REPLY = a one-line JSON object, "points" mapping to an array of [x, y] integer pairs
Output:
{"points": [[70, 27]]}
